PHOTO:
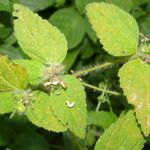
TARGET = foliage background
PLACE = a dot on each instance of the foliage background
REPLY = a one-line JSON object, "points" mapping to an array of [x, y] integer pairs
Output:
{"points": [[84, 51]]}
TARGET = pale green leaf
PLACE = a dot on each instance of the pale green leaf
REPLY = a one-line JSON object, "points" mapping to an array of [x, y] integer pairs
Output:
{"points": [[135, 81], [101, 118], [71, 23], [70, 106], [12, 76], [122, 135], [7, 103], [37, 37], [116, 29], [35, 70], [40, 113]]}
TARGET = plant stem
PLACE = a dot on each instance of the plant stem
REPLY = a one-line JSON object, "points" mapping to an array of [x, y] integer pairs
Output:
{"points": [[100, 89], [91, 69], [99, 67], [102, 96]]}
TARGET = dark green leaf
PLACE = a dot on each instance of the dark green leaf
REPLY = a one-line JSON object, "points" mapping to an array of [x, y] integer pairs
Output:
{"points": [[35, 5], [71, 23], [30, 141], [101, 118]]}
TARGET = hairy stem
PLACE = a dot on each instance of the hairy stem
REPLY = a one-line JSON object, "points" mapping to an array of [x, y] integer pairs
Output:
{"points": [[91, 69], [100, 89], [99, 67]]}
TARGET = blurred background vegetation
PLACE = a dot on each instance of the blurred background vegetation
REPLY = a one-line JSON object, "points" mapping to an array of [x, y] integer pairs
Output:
{"points": [[84, 51]]}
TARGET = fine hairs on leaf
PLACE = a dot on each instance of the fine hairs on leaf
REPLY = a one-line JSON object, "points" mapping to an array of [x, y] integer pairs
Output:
{"points": [[43, 48], [38, 38], [44, 75], [134, 75], [112, 25], [123, 134]]}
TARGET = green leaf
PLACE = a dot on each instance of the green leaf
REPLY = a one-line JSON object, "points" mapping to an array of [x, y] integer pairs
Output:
{"points": [[59, 3], [80, 4], [145, 25], [36, 5], [37, 37], [11, 39], [71, 23], [6, 130], [4, 5], [88, 51], [101, 118], [116, 29], [30, 141], [138, 12], [91, 33], [40, 113], [7, 103], [135, 79], [35, 70], [69, 143], [5, 32], [124, 4], [123, 135], [12, 76], [71, 58], [139, 2], [11, 52], [72, 104]]}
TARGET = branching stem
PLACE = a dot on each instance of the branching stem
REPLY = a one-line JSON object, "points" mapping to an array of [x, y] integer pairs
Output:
{"points": [[100, 89], [102, 96]]}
